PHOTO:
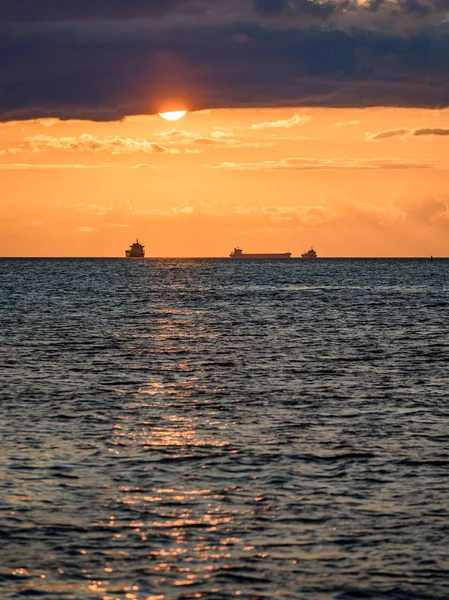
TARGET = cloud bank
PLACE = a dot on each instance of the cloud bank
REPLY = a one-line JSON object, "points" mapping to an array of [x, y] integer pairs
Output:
{"points": [[105, 59]]}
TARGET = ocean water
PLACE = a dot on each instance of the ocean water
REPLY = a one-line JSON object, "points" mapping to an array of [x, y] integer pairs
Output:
{"points": [[179, 429]]}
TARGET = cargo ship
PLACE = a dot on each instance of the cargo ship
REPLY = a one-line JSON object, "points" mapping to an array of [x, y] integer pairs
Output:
{"points": [[136, 250], [238, 253], [311, 254]]}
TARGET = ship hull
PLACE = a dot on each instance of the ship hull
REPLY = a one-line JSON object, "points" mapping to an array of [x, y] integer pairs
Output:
{"points": [[243, 256], [129, 255]]}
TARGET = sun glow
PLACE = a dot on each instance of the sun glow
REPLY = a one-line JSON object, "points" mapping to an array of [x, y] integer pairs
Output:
{"points": [[173, 115]]}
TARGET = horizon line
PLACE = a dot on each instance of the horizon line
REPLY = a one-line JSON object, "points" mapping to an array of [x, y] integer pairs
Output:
{"points": [[427, 257]]}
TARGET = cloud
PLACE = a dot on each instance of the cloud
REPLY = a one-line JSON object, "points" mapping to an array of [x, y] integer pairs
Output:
{"points": [[431, 131], [89, 143], [12, 151], [173, 211], [303, 214], [381, 215], [31, 167], [325, 164], [222, 133], [217, 139], [144, 166], [243, 210], [49, 11], [406, 132], [121, 206], [122, 211], [389, 133], [105, 59], [37, 122], [178, 136], [285, 124], [346, 123], [422, 204], [84, 229], [413, 201]]}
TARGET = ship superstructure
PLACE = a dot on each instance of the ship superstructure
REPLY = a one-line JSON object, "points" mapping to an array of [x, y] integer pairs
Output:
{"points": [[136, 250], [238, 253]]}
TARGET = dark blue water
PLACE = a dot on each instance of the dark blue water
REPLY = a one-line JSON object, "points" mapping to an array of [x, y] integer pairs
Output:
{"points": [[177, 429]]}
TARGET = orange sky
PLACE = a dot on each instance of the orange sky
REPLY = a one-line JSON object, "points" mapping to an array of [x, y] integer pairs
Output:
{"points": [[269, 180]]}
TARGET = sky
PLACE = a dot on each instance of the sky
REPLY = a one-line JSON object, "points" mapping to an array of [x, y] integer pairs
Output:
{"points": [[309, 123]]}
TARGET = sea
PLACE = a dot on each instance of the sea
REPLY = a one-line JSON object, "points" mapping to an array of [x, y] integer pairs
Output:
{"points": [[208, 428]]}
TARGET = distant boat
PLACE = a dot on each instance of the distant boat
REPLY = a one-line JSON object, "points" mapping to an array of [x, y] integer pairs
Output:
{"points": [[136, 250], [238, 253], [311, 254]]}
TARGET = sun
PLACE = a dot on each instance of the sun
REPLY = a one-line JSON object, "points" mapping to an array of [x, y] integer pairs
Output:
{"points": [[173, 115]]}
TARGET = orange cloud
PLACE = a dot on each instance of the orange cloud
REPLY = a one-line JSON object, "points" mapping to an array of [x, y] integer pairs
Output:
{"points": [[30, 167], [345, 123], [309, 164], [297, 119], [381, 215], [89, 143], [84, 229], [12, 151], [144, 166], [422, 203], [303, 214], [217, 139]]}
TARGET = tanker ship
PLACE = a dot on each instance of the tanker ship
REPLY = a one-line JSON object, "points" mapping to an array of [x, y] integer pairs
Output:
{"points": [[136, 250], [238, 253]]}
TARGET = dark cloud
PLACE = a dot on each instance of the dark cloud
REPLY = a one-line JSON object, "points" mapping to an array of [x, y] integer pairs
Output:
{"points": [[292, 8], [389, 133], [270, 7], [104, 59], [51, 11], [406, 132], [431, 131]]}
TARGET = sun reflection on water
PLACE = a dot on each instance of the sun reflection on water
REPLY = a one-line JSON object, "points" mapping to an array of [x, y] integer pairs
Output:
{"points": [[189, 530]]}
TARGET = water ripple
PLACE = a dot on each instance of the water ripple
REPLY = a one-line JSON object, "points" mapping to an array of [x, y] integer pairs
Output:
{"points": [[180, 429]]}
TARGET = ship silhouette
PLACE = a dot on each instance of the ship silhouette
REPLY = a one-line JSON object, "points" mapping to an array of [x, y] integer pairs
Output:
{"points": [[311, 254], [238, 253], [136, 250]]}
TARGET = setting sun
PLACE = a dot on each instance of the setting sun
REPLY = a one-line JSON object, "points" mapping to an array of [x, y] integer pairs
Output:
{"points": [[173, 115]]}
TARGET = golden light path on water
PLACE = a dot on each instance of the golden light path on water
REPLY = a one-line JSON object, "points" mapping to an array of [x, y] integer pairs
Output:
{"points": [[175, 511]]}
